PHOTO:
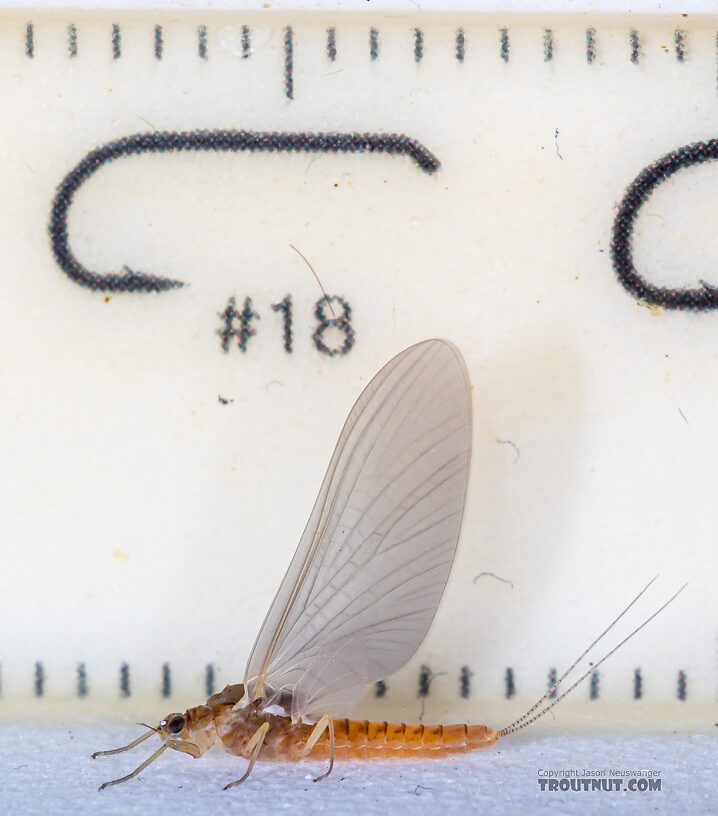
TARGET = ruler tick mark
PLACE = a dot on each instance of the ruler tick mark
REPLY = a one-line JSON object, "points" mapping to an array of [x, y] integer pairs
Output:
{"points": [[594, 687], [246, 42], [635, 46], [289, 62], [460, 45], [505, 45], [116, 41], [637, 685], [202, 42], [125, 690], [209, 679], [166, 680], [547, 45], [425, 677], [679, 39], [82, 690], [682, 686], [331, 44], [159, 42], [72, 40], [373, 44], [39, 679], [418, 45], [29, 41], [509, 683], [590, 45]]}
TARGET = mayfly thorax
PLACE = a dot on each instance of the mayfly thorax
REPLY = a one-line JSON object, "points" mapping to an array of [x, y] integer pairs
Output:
{"points": [[362, 588]]}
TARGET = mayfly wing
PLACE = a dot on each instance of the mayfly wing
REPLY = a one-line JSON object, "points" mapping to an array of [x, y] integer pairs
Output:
{"points": [[334, 681], [377, 550]]}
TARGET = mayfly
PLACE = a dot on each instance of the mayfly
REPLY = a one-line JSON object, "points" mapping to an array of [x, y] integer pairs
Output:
{"points": [[362, 589]]}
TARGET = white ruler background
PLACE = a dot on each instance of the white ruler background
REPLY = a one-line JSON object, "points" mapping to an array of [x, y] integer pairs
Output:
{"points": [[153, 487]]}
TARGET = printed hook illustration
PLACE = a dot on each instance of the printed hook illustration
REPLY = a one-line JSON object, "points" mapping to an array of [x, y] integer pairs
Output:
{"points": [[202, 140]]}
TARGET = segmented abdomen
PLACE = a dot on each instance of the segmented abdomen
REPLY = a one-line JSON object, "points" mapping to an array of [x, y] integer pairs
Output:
{"points": [[364, 739]]}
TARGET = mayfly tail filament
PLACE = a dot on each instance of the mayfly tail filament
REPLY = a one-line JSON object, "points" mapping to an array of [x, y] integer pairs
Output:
{"points": [[526, 720], [553, 688]]}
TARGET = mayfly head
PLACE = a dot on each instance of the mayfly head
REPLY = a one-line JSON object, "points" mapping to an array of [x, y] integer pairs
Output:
{"points": [[172, 726], [192, 732]]}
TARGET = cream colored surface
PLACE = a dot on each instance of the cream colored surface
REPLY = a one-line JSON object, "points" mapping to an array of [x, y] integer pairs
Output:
{"points": [[145, 522]]}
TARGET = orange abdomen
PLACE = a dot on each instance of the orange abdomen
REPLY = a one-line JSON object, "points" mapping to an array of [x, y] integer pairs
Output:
{"points": [[364, 739]]}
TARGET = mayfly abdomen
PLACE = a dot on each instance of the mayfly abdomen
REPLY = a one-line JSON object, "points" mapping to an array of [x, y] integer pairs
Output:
{"points": [[367, 739], [354, 739]]}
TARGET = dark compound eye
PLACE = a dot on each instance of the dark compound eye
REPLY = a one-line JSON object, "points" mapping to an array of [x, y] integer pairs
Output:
{"points": [[175, 723]]}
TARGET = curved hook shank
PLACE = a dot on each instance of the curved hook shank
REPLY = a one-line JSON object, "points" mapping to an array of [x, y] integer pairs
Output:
{"points": [[201, 140], [702, 299]]}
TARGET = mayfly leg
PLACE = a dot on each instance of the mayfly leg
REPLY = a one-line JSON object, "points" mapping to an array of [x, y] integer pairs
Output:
{"points": [[255, 746], [124, 748], [325, 722], [138, 769], [179, 745], [331, 753]]}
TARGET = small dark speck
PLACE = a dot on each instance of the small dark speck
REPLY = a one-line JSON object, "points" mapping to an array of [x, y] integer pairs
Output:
{"points": [[513, 445], [224, 400], [18, 767], [683, 415], [494, 575], [601, 250]]}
